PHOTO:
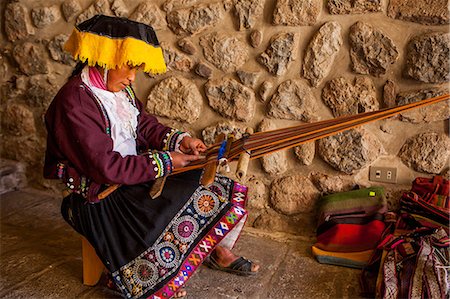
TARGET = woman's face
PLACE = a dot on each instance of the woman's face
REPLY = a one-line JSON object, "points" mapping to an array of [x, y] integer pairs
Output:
{"points": [[120, 78]]}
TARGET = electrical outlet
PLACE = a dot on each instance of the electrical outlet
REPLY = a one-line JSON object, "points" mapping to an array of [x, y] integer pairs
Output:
{"points": [[383, 174]]}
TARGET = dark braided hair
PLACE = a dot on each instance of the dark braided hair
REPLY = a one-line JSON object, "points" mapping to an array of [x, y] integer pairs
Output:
{"points": [[78, 68]]}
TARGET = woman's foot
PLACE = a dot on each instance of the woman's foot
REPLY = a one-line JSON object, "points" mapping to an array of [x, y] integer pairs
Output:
{"points": [[180, 293], [223, 259]]}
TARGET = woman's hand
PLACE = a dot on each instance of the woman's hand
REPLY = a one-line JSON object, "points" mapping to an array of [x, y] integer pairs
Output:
{"points": [[191, 145], [180, 160]]}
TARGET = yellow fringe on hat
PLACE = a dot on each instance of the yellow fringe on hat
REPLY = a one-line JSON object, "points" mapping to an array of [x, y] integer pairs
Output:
{"points": [[114, 53]]}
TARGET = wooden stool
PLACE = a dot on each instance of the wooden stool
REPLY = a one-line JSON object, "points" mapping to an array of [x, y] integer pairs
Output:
{"points": [[92, 265]]}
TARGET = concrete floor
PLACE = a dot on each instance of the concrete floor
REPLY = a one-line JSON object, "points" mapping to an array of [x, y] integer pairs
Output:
{"points": [[41, 258]]}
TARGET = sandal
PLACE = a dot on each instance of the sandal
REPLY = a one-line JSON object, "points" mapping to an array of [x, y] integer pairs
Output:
{"points": [[241, 266]]}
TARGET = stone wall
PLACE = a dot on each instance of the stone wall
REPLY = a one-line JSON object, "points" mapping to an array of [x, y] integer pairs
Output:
{"points": [[265, 64]]}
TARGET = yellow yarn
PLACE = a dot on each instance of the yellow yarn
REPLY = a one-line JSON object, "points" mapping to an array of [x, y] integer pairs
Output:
{"points": [[114, 53]]}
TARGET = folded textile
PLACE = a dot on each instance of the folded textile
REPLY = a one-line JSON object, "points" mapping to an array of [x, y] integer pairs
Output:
{"points": [[428, 200], [350, 225]]}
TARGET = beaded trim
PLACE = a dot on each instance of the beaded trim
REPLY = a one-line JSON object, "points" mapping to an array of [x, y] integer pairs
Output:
{"points": [[162, 163], [80, 186], [170, 140], [131, 96], [61, 169]]}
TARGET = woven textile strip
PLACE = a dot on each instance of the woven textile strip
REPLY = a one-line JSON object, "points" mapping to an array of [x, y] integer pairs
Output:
{"points": [[435, 278], [390, 277], [207, 244], [263, 143], [176, 254], [417, 283]]}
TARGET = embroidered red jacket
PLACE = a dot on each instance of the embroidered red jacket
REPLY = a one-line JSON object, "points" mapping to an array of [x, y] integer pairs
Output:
{"points": [[79, 148]]}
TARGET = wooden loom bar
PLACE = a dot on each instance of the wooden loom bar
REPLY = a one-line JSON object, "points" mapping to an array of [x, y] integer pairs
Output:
{"points": [[263, 143], [327, 127]]}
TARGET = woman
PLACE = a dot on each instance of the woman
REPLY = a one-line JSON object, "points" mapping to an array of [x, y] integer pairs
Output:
{"points": [[99, 134]]}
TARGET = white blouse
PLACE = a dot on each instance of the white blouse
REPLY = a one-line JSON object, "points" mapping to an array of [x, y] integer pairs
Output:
{"points": [[122, 116]]}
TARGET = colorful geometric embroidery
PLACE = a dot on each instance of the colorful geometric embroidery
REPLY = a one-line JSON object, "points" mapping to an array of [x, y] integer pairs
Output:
{"points": [[218, 189], [207, 204], [185, 228], [168, 258], [169, 253], [390, 277], [145, 273]]}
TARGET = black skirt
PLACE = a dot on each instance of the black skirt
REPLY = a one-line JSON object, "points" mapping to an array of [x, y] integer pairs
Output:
{"points": [[152, 246]]}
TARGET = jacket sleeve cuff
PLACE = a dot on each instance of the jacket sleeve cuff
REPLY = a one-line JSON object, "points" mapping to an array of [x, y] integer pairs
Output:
{"points": [[161, 163], [179, 139], [172, 140]]}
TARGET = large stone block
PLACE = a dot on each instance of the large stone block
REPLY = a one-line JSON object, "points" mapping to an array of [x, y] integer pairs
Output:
{"points": [[427, 12], [275, 163], [44, 16], [345, 98], [70, 9], [210, 133], [248, 12], [427, 58], [12, 176], [296, 13], [305, 153], [435, 112], [328, 184], [176, 98], [99, 7], [192, 20], [231, 99], [340, 7], [175, 60], [226, 52], [57, 52], [248, 78], [426, 152], [321, 52], [351, 150], [31, 58], [41, 90], [119, 8], [293, 100], [17, 22], [148, 13], [18, 120], [371, 52], [294, 194], [280, 53], [170, 5]]}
